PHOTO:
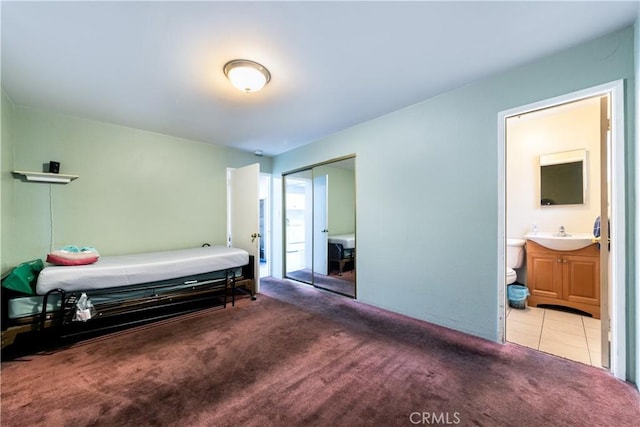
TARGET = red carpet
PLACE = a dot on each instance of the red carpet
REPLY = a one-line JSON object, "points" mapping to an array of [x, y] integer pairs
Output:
{"points": [[300, 356]]}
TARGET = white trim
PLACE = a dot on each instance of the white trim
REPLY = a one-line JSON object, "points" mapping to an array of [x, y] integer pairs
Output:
{"points": [[502, 226], [618, 233], [618, 251], [47, 177]]}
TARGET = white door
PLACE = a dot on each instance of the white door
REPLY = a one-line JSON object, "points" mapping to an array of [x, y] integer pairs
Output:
{"points": [[244, 213], [320, 224]]}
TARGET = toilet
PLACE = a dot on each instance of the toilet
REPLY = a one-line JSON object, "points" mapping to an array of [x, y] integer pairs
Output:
{"points": [[515, 257]]}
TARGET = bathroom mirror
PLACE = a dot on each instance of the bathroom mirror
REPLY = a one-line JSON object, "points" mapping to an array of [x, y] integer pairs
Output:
{"points": [[563, 178]]}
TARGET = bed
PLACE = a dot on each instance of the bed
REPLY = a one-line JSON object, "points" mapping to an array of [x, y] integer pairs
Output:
{"points": [[132, 288], [342, 251]]}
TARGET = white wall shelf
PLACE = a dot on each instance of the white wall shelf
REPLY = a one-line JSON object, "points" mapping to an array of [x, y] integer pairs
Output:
{"points": [[57, 178]]}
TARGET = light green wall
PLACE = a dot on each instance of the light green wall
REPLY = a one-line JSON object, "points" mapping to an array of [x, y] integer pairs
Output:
{"points": [[634, 294], [7, 253], [427, 178], [341, 199], [138, 191]]}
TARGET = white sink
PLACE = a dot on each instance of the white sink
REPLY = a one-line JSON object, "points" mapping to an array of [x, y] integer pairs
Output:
{"points": [[571, 242]]}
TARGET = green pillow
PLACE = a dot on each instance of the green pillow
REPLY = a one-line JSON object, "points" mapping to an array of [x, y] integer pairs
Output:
{"points": [[23, 278]]}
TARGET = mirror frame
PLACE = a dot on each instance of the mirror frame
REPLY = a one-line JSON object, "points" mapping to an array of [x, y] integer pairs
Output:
{"points": [[310, 168], [561, 158]]}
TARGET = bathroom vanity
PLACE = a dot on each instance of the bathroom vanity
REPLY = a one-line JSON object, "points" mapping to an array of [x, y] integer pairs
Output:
{"points": [[564, 278]]}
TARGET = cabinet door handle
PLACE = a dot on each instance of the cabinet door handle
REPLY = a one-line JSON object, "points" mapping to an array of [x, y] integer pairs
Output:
{"points": [[559, 259]]}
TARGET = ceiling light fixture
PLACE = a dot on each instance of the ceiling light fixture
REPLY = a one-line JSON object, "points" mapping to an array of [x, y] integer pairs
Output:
{"points": [[248, 76]]}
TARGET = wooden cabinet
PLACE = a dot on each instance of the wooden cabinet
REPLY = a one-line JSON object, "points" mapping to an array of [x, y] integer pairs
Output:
{"points": [[566, 278]]}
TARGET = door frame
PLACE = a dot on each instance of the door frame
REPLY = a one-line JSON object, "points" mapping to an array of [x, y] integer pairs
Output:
{"points": [[618, 253]]}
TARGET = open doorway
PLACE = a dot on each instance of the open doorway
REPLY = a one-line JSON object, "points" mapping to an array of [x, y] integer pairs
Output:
{"points": [[265, 225], [564, 279], [553, 175]]}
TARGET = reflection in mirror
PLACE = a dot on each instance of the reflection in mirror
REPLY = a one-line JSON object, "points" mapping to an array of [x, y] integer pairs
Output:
{"points": [[563, 178], [334, 254], [298, 193]]}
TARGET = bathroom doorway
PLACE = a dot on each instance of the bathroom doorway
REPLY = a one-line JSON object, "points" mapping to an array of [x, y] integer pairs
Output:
{"points": [[588, 121]]}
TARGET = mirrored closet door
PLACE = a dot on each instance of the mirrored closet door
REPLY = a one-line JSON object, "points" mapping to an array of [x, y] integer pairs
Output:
{"points": [[320, 226]]}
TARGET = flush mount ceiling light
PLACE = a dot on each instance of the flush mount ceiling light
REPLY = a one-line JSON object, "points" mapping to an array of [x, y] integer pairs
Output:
{"points": [[248, 76]]}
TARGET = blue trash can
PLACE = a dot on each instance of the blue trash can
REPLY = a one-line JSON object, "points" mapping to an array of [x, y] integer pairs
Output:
{"points": [[517, 296]]}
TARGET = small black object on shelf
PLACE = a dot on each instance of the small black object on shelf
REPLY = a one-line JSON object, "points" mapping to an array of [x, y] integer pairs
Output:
{"points": [[54, 167]]}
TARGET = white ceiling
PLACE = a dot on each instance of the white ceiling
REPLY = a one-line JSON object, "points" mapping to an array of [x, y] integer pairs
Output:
{"points": [[158, 65]]}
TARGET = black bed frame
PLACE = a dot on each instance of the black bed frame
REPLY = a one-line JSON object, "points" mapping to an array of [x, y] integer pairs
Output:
{"points": [[341, 256], [199, 291]]}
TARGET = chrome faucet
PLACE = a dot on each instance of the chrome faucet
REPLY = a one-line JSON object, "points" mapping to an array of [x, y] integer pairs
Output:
{"points": [[562, 232]]}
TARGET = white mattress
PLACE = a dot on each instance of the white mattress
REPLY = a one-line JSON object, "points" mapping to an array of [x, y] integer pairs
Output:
{"points": [[124, 270], [348, 241]]}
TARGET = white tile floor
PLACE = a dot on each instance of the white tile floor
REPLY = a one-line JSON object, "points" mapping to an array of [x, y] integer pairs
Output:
{"points": [[564, 334]]}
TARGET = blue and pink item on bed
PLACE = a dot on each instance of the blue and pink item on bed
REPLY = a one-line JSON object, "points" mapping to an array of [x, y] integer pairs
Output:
{"points": [[73, 255]]}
